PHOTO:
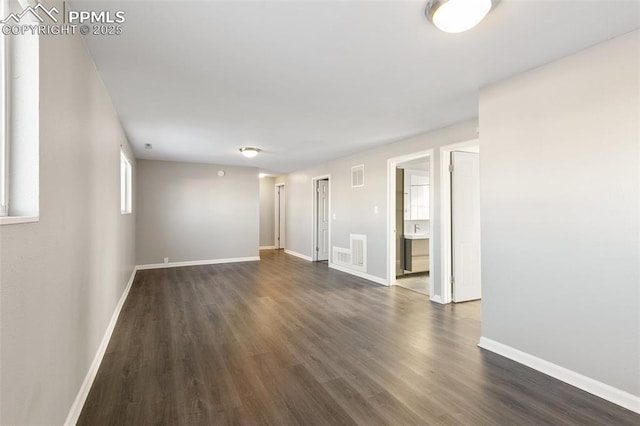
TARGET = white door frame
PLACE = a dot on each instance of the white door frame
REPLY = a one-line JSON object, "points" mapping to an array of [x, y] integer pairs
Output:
{"points": [[280, 244], [314, 216], [392, 163], [445, 213]]}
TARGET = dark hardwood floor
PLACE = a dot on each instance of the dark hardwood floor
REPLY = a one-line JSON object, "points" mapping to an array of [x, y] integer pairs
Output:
{"points": [[284, 341]]}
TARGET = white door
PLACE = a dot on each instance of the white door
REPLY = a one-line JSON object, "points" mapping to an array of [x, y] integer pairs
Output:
{"points": [[465, 226], [322, 217], [280, 217]]}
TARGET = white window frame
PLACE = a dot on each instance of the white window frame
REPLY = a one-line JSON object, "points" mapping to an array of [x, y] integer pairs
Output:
{"points": [[19, 131], [4, 116], [126, 185]]}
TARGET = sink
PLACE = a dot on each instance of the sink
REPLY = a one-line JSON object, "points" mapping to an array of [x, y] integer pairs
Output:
{"points": [[423, 236]]}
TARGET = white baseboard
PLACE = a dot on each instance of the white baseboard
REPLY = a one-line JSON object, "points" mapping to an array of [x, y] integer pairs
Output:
{"points": [[587, 384], [267, 247], [196, 263], [81, 397], [437, 299], [360, 274], [296, 254]]}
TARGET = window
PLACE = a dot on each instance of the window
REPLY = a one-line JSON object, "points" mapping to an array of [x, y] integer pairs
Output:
{"points": [[19, 119], [4, 117], [125, 185]]}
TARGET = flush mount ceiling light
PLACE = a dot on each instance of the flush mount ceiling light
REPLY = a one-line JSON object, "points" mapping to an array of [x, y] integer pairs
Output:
{"points": [[249, 151], [456, 16]]}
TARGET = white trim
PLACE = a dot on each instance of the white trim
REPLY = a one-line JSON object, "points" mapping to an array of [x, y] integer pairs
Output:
{"points": [[275, 216], [267, 247], [12, 220], [5, 78], [279, 243], [296, 254], [314, 215], [81, 397], [391, 213], [445, 214], [587, 384], [432, 284], [364, 275], [436, 298], [197, 263], [126, 183]]}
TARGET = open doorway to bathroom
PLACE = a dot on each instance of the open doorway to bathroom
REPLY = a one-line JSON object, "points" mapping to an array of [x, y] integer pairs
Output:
{"points": [[410, 222]]}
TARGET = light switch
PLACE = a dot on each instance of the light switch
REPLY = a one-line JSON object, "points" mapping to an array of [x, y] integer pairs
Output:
{"points": [[334, 216], [375, 209]]}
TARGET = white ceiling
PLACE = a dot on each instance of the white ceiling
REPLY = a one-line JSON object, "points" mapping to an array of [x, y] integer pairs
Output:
{"points": [[309, 81]]}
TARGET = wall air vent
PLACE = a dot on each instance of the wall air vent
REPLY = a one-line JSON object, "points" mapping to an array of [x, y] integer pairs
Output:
{"points": [[342, 256], [355, 257], [358, 251], [357, 176]]}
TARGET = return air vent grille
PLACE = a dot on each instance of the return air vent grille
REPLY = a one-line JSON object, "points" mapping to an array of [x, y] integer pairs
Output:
{"points": [[357, 176], [341, 256], [355, 257], [357, 252]]}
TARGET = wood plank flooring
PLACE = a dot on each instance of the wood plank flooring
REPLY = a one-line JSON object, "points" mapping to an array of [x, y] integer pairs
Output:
{"points": [[288, 342]]}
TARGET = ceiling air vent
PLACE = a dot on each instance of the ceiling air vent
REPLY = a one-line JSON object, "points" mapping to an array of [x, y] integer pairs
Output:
{"points": [[357, 176]]}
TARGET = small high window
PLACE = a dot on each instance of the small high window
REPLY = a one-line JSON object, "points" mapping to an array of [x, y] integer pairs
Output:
{"points": [[125, 185], [4, 117], [19, 119]]}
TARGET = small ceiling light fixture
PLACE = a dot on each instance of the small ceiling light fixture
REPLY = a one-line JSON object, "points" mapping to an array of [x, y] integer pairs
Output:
{"points": [[456, 16], [250, 151], [148, 146]]}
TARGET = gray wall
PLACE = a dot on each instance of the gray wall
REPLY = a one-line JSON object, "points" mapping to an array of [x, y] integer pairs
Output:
{"points": [[267, 210], [560, 227], [354, 207], [61, 277], [186, 212]]}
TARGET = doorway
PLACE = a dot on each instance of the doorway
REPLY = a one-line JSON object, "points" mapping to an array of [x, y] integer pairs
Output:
{"points": [[280, 216], [321, 243], [460, 191], [410, 210]]}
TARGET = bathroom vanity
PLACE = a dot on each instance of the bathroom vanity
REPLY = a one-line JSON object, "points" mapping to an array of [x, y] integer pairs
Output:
{"points": [[416, 252]]}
